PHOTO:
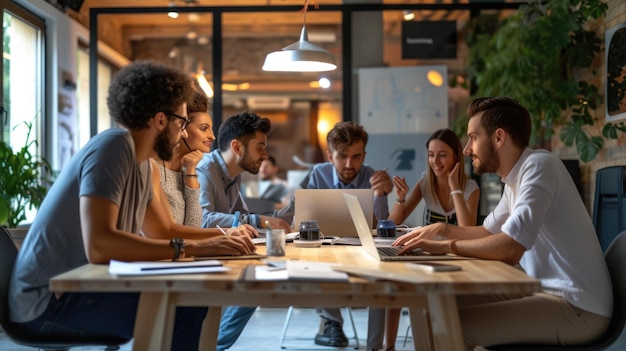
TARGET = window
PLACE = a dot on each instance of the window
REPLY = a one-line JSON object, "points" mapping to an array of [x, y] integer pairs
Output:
{"points": [[22, 76]]}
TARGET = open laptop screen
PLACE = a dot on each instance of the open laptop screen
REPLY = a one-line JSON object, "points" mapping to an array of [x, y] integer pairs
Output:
{"points": [[329, 208]]}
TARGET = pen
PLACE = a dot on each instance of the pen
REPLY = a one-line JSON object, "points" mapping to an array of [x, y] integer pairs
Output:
{"points": [[221, 230], [181, 267], [385, 169], [236, 219]]}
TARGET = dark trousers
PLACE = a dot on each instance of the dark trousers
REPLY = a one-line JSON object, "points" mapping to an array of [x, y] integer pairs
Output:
{"points": [[105, 315]]}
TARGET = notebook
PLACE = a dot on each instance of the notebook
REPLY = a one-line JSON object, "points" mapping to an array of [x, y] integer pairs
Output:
{"points": [[328, 207], [384, 253]]}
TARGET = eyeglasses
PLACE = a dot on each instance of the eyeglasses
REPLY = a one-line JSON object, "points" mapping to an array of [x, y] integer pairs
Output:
{"points": [[185, 119]]}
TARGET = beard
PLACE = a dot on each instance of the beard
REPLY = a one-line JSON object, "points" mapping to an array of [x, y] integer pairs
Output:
{"points": [[488, 164], [347, 175], [248, 164], [163, 146]]}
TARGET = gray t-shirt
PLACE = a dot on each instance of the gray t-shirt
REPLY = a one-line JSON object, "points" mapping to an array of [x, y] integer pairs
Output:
{"points": [[106, 167]]}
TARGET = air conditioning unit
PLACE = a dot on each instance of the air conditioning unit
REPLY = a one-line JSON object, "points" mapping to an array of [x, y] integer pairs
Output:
{"points": [[268, 103]]}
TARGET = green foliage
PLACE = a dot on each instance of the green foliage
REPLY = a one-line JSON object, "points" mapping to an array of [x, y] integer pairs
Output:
{"points": [[541, 56], [23, 180]]}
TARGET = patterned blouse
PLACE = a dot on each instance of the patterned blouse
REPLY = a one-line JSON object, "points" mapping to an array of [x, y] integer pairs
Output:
{"points": [[184, 201]]}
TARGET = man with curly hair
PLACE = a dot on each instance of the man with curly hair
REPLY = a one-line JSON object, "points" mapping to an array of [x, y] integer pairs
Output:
{"points": [[97, 210]]}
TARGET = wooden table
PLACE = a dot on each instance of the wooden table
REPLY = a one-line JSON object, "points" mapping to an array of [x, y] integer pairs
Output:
{"points": [[432, 293]]}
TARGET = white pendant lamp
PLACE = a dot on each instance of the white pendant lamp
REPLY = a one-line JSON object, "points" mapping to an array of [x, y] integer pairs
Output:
{"points": [[301, 56]]}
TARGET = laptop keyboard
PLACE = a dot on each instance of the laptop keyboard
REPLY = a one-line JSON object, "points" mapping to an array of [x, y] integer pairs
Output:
{"points": [[391, 251]]}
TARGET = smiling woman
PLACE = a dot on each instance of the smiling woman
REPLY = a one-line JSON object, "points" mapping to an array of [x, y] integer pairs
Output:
{"points": [[177, 176]]}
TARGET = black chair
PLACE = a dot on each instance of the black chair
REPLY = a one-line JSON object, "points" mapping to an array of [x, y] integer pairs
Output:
{"points": [[615, 257], [8, 254], [609, 204]]}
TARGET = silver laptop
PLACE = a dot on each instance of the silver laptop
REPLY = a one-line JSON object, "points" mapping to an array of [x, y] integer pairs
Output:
{"points": [[385, 253], [328, 207]]}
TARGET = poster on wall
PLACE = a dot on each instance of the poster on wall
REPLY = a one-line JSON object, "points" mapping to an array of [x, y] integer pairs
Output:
{"points": [[403, 156], [403, 100], [615, 49]]}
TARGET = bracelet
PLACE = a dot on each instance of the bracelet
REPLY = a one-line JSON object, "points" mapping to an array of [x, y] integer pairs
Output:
{"points": [[191, 175], [400, 201], [453, 247], [456, 192]]}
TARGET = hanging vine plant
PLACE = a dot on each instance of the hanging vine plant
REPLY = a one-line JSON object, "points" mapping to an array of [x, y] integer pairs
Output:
{"points": [[543, 56]]}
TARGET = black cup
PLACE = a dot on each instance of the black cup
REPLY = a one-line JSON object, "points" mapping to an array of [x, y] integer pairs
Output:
{"points": [[309, 230], [386, 229]]}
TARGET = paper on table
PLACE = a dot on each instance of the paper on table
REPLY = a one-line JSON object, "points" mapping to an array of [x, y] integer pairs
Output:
{"points": [[300, 270], [308, 270], [159, 267]]}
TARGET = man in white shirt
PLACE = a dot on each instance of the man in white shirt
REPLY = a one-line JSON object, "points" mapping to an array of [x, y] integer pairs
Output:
{"points": [[541, 224]]}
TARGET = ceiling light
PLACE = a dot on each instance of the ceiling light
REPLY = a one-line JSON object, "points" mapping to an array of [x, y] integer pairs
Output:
{"points": [[204, 84], [193, 17], [172, 14], [435, 78], [229, 86], [324, 82], [408, 15], [301, 56], [191, 35]]}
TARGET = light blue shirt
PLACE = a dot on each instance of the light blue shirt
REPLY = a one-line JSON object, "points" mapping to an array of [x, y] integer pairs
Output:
{"points": [[220, 196], [324, 176]]}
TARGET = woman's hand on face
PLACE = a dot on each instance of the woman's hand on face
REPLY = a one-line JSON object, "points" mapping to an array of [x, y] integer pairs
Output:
{"points": [[453, 177], [190, 160], [243, 230], [402, 188]]}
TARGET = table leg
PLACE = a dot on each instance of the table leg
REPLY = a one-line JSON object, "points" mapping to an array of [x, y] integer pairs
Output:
{"points": [[210, 328], [420, 324], [153, 312], [445, 323]]}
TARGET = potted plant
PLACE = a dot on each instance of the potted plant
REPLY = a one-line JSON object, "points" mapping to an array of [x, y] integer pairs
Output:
{"points": [[544, 56], [24, 181]]}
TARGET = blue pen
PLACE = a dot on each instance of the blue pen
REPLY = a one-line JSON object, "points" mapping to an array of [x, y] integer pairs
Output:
{"points": [[236, 219]]}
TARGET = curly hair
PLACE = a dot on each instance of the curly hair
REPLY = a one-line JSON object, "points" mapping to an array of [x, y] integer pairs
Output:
{"points": [[506, 113], [345, 134], [142, 89], [242, 127], [199, 102]]}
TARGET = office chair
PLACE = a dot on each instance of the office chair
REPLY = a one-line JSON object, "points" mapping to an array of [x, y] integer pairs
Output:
{"points": [[347, 310], [8, 254], [615, 256], [609, 204]]}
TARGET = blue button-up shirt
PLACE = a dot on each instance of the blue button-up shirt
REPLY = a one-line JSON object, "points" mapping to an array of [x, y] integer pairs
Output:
{"points": [[324, 176]]}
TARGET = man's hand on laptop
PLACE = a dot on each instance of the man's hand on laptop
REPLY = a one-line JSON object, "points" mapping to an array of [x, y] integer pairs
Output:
{"points": [[243, 230], [427, 232], [276, 223], [434, 247]]}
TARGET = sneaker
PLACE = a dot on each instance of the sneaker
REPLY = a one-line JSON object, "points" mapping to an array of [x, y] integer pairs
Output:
{"points": [[333, 335]]}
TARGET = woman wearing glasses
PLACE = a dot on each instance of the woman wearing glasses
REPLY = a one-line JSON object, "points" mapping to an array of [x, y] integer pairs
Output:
{"points": [[175, 182]]}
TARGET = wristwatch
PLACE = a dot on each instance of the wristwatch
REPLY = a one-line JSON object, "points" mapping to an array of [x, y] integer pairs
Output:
{"points": [[179, 248]]}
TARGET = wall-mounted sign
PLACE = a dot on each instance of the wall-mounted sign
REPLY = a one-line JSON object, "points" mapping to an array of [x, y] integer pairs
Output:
{"points": [[429, 40]]}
